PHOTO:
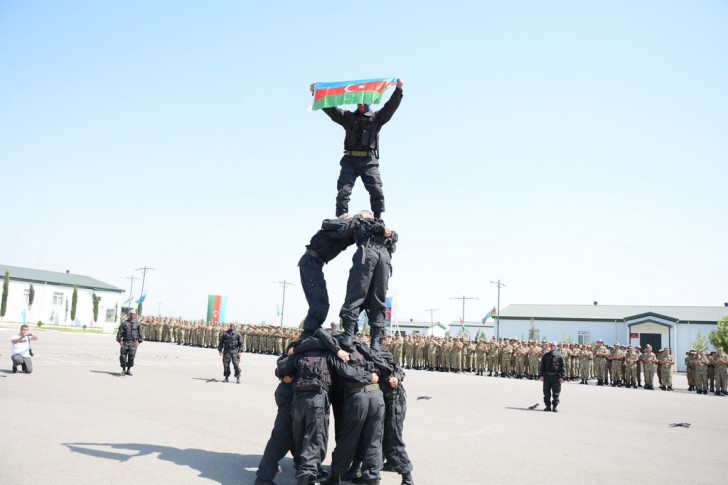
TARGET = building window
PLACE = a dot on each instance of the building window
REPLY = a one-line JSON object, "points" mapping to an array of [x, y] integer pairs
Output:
{"points": [[58, 299], [584, 337]]}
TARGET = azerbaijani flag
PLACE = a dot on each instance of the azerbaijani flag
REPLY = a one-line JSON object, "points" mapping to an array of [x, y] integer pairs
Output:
{"points": [[490, 314], [365, 91], [216, 306]]}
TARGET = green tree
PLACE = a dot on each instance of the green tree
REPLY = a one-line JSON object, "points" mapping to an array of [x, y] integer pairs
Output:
{"points": [[719, 336], [74, 301], [31, 296], [95, 300], [4, 302], [700, 343]]}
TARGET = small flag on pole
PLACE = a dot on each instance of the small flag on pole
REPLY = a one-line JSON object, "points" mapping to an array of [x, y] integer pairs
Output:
{"points": [[141, 299], [23, 321], [490, 314]]}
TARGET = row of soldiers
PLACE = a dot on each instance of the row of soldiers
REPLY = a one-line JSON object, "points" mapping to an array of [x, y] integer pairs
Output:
{"points": [[618, 365], [263, 339]]}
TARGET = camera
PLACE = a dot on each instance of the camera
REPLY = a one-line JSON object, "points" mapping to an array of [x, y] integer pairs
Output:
{"points": [[30, 351]]}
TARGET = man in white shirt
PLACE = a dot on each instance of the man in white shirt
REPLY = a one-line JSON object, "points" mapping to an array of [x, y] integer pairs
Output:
{"points": [[21, 352]]}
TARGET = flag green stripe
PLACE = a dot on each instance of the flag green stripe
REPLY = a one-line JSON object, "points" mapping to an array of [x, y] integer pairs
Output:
{"points": [[356, 97]]}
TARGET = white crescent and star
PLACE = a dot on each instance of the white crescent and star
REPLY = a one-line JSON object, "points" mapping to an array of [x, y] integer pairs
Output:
{"points": [[357, 87]]}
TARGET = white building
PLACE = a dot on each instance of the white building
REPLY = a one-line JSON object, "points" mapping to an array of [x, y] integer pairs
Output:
{"points": [[53, 293], [411, 327], [475, 330], [674, 327]]}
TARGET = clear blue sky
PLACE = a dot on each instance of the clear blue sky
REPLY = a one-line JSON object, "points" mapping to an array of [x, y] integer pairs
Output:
{"points": [[574, 150]]}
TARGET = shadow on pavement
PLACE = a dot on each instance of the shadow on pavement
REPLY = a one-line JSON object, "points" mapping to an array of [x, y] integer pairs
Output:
{"points": [[529, 408], [224, 468], [116, 374]]}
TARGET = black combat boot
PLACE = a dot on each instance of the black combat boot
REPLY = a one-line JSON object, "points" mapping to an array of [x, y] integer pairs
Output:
{"points": [[547, 408], [128, 371], [332, 480], [353, 472], [407, 479], [375, 342], [304, 480], [554, 409], [263, 481], [490, 374]]}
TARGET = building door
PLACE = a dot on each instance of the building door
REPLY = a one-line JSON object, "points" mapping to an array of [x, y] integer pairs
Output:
{"points": [[654, 339]]}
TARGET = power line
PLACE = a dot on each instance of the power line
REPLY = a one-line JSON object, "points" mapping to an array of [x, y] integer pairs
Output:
{"points": [[463, 298]]}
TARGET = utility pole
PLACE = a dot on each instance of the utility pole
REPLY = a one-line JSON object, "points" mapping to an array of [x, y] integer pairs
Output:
{"points": [[131, 289], [431, 310], [463, 298], [144, 275], [497, 317], [283, 305]]}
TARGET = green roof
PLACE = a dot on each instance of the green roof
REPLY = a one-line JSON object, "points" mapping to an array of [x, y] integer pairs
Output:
{"points": [[40, 276], [613, 312]]}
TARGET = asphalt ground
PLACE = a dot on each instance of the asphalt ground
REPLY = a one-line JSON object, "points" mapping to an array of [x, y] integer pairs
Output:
{"points": [[74, 420]]}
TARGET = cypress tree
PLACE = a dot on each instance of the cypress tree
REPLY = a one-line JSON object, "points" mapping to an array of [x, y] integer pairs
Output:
{"points": [[4, 302], [74, 301]]}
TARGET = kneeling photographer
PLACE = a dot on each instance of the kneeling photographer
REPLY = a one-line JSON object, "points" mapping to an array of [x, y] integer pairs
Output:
{"points": [[22, 352]]}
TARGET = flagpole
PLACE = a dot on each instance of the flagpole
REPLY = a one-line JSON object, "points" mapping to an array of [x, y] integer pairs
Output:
{"points": [[283, 305], [497, 316]]}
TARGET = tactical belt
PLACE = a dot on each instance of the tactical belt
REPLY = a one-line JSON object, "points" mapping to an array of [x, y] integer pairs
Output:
{"points": [[307, 388], [552, 373], [313, 254], [367, 388], [394, 395], [358, 153]]}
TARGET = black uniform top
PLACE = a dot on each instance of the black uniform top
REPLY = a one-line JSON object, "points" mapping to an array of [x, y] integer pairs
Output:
{"points": [[230, 342], [335, 236], [362, 129], [130, 331], [291, 365], [397, 372], [370, 231], [552, 363]]}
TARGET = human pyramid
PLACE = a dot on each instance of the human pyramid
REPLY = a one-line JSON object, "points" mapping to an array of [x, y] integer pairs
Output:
{"points": [[321, 370]]}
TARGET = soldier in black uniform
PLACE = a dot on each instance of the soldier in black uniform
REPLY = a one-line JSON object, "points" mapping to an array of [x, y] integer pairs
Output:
{"points": [[281, 437], [361, 416], [369, 278], [361, 149], [334, 236], [395, 411], [553, 374], [230, 348], [129, 337], [312, 367]]}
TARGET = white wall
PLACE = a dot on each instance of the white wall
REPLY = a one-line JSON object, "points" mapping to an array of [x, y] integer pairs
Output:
{"points": [[44, 307], [559, 330]]}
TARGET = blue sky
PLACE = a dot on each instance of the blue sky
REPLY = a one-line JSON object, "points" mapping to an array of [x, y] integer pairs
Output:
{"points": [[574, 150]]}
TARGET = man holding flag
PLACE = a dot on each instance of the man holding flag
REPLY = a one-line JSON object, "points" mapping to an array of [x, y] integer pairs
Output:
{"points": [[361, 143]]}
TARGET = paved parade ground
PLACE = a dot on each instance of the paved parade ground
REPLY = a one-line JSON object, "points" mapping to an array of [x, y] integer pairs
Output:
{"points": [[76, 421]]}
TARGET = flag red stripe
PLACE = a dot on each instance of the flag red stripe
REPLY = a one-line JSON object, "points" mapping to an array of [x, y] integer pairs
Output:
{"points": [[216, 308]]}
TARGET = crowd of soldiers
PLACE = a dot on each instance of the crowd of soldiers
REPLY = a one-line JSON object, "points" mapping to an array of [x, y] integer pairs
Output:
{"points": [[616, 365], [262, 339]]}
